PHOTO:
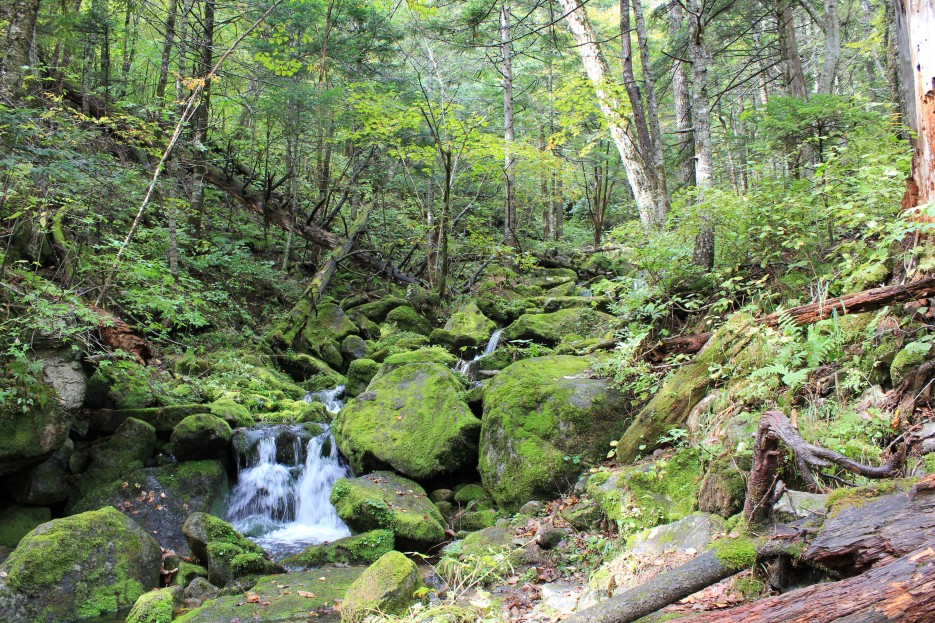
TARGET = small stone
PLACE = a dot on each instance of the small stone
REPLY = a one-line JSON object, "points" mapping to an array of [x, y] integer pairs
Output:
{"points": [[548, 537]]}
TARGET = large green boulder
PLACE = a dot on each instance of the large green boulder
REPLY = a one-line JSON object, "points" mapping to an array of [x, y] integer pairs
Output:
{"points": [[227, 554], [386, 587], [155, 606], [289, 598], [163, 419], [412, 419], [79, 567], [389, 501], [408, 319], [359, 375], [469, 320], [544, 420], [201, 436], [550, 329], [29, 435], [360, 548], [318, 331], [161, 498], [376, 311]]}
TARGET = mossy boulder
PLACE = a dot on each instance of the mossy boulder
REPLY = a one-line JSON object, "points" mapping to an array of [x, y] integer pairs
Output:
{"points": [[544, 420], [470, 321], [910, 357], [314, 373], [412, 419], [163, 419], [384, 500], [288, 598], [555, 303], [227, 554], [235, 414], [359, 375], [723, 489], [127, 384], [354, 347], [454, 343], [387, 587], [130, 447], [310, 328], [550, 329], [161, 498], [696, 531], [408, 319], [471, 492], [29, 437], [642, 496], [376, 311], [201, 436], [17, 521], [393, 341], [79, 567], [155, 606], [363, 548], [46, 483], [431, 354]]}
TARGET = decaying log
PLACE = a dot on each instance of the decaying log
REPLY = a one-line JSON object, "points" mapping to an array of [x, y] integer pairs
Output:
{"points": [[118, 335], [319, 283], [854, 303], [902, 591], [775, 427], [663, 590], [867, 535]]}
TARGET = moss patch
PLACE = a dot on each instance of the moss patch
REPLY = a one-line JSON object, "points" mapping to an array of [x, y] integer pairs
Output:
{"points": [[153, 607], [361, 548], [387, 586], [735, 554]]}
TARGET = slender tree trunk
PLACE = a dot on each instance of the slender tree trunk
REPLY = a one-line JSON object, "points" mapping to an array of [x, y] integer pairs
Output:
{"points": [[172, 226], [544, 191], [506, 51], [629, 81], [682, 101], [431, 229], [184, 33], [202, 117], [166, 50], [443, 261], [703, 255], [832, 47], [17, 24], [558, 206], [652, 112], [639, 173], [789, 51]]}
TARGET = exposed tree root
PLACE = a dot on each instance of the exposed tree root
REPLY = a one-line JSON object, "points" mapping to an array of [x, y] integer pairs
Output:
{"points": [[763, 483]]}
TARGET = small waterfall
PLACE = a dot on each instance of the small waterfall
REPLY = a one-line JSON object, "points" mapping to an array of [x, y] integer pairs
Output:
{"points": [[466, 367], [284, 480]]}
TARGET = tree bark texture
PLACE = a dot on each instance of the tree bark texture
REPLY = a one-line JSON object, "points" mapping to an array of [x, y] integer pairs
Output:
{"points": [[902, 591], [629, 81], [19, 19], [509, 170], [832, 56], [652, 113], [915, 33], [703, 255], [789, 50], [639, 173], [682, 101], [319, 283]]}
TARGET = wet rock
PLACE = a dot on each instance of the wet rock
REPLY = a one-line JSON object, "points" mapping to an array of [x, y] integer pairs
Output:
{"points": [[386, 586], [201, 436], [695, 533], [226, 553]]}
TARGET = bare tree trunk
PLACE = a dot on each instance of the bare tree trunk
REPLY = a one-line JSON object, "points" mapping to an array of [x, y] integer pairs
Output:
{"points": [[832, 58], [202, 117], [629, 81], [167, 50], [789, 51], [558, 206], [639, 172], [443, 260], [544, 191], [682, 100], [703, 255], [131, 21], [17, 23], [506, 51], [652, 112]]}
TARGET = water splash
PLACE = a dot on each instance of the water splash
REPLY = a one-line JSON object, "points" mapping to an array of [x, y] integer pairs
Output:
{"points": [[284, 481], [467, 367]]}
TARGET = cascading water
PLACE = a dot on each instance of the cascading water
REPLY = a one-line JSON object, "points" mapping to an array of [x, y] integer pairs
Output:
{"points": [[284, 481], [465, 367]]}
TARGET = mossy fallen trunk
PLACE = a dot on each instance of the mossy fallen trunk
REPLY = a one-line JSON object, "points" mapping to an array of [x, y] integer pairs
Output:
{"points": [[674, 401]]}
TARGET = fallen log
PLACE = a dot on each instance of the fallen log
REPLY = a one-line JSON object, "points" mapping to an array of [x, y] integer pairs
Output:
{"points": [[775, 427], [854, 303], [902, 591], [319, 283], [862, 536]]}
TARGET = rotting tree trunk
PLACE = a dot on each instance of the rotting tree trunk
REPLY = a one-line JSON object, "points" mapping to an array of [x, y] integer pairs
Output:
{"points": [[878, 532], [664, 589], [902, 591], [763, 483], [639, 172]]}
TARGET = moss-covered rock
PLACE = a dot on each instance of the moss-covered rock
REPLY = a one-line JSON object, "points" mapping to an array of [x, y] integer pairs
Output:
{"points": [[387, 586], [471, 492], [227, 554], [649, 494], [471, 520], [78, 567], [431, 354], [550, 329], [363, 548], [235, 414], [354, 347], [288, 598], [307, 329], [723, 489], [910, 357], [413, 419], [393, 341], [388, 501], [17, 521], [129, 448], [376, 311], [544, 420], [29, 437], [154, 607], [46, 483], [163, 419], [314, 373], [161, 498], [187, 572], [127, 384], [201, 436], [470, 321], [555, 303], [408, 319], [453, 342], [359, 375]]}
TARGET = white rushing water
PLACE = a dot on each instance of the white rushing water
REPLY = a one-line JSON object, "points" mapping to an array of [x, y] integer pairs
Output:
{"points": [[284, 481], [466, 366]]}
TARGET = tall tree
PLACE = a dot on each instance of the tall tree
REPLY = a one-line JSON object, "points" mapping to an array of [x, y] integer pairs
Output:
{"points": [[703, 255], [18, 18], [509, 168]]}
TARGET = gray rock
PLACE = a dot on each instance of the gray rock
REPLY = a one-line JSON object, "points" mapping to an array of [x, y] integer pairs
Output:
{"points": [[798, 505], [548, 537], [63, 371], [695, 532], [531, 508], [199, 591]]}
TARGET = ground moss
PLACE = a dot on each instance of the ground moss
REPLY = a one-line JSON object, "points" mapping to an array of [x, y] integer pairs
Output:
{"points": [[153, 607], [236, 415], [470, 321], [735, 554], [551, 328], [359, 375], [928, 461], [856, 497]]}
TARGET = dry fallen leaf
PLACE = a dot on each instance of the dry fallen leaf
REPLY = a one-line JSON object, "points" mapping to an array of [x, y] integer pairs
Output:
{"points": [[305, 594], [253, 598]]}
